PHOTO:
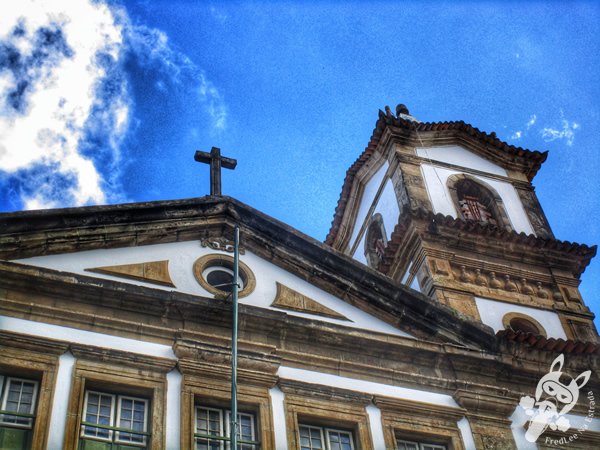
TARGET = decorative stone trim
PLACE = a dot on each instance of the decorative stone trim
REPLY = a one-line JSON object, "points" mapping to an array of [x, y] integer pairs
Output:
{"points": [[210, 356], [220, 243], [514, 315], [287, 298], [156, 272], [314, 409], [129, 380], [508, 283], [579, 328], [496, 204], [486, 404], [419, 422], [19, 355], [202, 387], [212, 260]]}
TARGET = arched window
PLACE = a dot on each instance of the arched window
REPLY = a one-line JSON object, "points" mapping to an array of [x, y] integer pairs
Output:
{"points": [[475, 201], [376, 241], [523, 323]]}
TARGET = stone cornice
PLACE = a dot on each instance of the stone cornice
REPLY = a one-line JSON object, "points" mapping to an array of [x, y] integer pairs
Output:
{"points": [[459, 232], [38, 233]]}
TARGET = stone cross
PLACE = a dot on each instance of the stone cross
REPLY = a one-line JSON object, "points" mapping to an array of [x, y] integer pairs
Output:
{"points": [[215, 160]]}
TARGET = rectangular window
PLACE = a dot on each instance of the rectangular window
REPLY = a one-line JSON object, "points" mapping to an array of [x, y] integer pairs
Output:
{"points": [[114, 419], [213, 428], [321, 438], [410, 445], [17, 411]]}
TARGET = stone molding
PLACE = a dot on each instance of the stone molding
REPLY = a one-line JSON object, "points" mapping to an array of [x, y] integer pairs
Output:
{"points": [[311, 410], [128, 380], [201, 387], [218, 259], [156, 272], [18, 356], [417, 421], [287, 298]]}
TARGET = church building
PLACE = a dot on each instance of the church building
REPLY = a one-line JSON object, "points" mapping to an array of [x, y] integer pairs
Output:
{"points": [[440, 313]]}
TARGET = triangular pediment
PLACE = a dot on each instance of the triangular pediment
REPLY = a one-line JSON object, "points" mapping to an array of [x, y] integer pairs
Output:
{"points": [[129, 244], [156, 272], [185, 268], [289, 299]]}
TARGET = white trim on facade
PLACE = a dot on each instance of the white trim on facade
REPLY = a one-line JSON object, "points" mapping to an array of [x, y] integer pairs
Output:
{"points": [[369, 387], [78, 336], [376, 426], [278, 408], [492, 312], [173, 410], [60, 403]]}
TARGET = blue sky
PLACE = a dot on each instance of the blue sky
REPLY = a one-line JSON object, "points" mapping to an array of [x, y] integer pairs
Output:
{"points": [[107, 102]]}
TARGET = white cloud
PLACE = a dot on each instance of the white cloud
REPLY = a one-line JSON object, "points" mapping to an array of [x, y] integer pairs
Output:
{"points": [[531, 121], [566, 131], [520, 133], [516, 135], [46, 121], [63, 87], [152, 47]]}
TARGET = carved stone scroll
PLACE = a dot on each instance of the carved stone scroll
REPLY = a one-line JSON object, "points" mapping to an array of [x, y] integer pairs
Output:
{"points": [[287, 298], [156, 272]]}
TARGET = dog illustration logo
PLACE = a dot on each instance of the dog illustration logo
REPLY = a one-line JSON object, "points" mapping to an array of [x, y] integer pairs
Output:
{"points": [[553, 399]]}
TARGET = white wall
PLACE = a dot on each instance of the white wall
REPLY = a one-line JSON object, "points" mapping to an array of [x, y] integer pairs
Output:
{"points": [[387, 206], [60, 402], [492, 312], [368, 196], [69, 334], [173, 410], [182, 255], [369, 387], [459, 156], [436, 179]]}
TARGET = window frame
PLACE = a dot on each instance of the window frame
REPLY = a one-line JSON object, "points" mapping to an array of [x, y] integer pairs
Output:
{"points": [[510, 316], [329, 409], [4, 387], [118, 421], [413, 421], [371, 250], [145, 379], [225, 427], [325, 436], [115, 419], [496, 206], [201, 387], [420, 445]]}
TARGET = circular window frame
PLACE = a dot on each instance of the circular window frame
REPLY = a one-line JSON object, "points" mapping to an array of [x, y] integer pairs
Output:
{"points": [[226, 261], [511, 316]]}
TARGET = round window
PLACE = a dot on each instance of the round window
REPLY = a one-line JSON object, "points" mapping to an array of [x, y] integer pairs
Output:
{"points": [[221, 278], [524, 325], [215, 274]]}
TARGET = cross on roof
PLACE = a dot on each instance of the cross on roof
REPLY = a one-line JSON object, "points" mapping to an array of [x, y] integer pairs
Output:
{"points": [[215, 160]]}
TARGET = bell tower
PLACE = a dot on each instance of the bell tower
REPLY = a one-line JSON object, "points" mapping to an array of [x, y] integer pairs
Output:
{"points": [[450, 211]]}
